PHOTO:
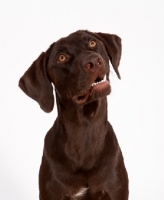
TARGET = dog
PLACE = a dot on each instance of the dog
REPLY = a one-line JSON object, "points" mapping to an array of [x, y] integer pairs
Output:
{"points": [[81, 157]]}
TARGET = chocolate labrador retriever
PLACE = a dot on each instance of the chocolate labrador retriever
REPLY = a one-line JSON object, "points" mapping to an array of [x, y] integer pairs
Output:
{"points": [[81, 157]]}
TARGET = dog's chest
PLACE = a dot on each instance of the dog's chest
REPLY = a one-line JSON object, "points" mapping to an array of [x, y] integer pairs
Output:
{"points": [[84, 149]]}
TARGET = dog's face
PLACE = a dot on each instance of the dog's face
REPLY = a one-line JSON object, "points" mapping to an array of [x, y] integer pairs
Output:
{"points": [[77, 65]]}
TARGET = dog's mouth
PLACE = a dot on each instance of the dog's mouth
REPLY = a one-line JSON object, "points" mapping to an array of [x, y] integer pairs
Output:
{"points": [[99, 88]]}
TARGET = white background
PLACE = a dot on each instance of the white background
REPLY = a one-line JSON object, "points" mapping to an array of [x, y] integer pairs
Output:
{"points": [[135, 107]]}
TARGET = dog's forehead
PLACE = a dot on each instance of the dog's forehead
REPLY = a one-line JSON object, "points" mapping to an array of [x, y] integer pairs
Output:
{"points": [[79, 36], [76, 39]]}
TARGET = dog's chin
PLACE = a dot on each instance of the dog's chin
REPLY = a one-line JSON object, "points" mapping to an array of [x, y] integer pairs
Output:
{"points": [[96, 91]]}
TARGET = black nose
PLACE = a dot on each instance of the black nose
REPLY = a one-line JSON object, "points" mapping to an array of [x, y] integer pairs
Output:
{"points": [[93, 64]]}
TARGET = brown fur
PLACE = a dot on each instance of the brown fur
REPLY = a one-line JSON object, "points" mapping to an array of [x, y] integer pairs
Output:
{"points": [[81, 149]]}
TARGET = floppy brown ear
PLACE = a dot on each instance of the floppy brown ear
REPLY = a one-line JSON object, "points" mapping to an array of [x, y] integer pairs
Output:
{"points": [[35, 83], [113, 47]]}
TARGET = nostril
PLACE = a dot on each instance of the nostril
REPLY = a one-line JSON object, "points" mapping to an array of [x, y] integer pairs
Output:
{"points": [[94, 64], [99, 61], [89, 65]]}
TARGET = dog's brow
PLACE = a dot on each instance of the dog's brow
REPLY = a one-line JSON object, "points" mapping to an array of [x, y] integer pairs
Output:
{"points": [[63, 49]]}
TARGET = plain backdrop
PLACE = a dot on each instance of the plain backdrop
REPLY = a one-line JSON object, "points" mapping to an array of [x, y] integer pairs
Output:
{"points": [[135, 107]]}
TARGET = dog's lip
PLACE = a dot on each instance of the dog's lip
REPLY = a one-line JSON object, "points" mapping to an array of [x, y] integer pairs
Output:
{"points": [[80, 99], [96, 87]]}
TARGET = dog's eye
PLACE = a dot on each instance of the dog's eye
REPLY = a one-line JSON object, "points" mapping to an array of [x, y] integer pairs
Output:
{"points": [[62, 58], [92, 43]]}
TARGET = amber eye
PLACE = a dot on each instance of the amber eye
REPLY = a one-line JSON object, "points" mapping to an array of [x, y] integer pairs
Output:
{"points": [[62, 58], [92, 43]]}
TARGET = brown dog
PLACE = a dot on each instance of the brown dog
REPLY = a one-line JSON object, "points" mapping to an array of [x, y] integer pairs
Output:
{"points": [[81, 158]]}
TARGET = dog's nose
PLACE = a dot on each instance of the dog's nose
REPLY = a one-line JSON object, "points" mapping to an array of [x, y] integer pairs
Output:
{"points": [[93, 64]]}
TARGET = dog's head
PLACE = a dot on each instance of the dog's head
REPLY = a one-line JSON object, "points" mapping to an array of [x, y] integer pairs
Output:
{"points": [[78, 67]]}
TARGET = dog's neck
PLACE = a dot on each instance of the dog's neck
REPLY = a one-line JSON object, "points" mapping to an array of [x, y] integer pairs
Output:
{"points": [[85, 128], [93, 114]]}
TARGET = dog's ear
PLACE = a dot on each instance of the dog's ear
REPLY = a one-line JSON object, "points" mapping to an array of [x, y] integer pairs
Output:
{"points": [[113, 47], [36, 84]]}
